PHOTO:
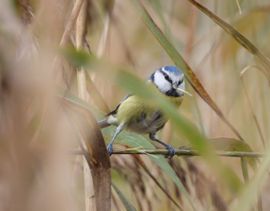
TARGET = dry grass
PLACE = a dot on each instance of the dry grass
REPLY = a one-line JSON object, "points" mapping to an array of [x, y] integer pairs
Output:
{"points": [[64, 64]]}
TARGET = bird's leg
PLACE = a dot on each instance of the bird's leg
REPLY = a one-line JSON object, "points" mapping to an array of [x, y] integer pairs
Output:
{"points": [[171, 150], [117, 131]]}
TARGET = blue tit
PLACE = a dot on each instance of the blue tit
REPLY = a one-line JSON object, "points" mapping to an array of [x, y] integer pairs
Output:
{"points": [[134, 114]]}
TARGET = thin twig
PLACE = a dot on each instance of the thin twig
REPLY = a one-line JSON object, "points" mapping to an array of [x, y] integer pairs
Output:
{"points": [[183, 152]]}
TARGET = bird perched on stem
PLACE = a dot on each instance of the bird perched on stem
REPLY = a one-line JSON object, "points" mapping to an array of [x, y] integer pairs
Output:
{"points": [[136, 115]]}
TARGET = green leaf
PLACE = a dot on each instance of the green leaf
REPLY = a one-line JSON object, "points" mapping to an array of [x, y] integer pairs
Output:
{"points": [[182, 125], [139, 141], [136, 140], [77, 57], [125, 201], [231, 144]]}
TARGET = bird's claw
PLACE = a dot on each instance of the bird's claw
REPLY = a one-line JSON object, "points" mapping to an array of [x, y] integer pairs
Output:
{"points": [[110, 149], [171, 151]]}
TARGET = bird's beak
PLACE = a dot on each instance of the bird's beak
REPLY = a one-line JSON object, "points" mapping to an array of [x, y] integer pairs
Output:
{"points": [[184, 91]]}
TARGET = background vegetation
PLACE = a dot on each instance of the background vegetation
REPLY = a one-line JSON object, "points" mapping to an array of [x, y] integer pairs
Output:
{"points": [[65, 64]]}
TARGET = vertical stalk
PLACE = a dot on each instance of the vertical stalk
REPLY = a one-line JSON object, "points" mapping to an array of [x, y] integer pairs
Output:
{"points": [[99, 181], [252, 112], [244, 167], [82, 92]]}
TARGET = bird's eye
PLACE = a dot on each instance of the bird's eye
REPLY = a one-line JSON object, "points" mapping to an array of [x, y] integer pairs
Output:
{"points": [[167, 77]]}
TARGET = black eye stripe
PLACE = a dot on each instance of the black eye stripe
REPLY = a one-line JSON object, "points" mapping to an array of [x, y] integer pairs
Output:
{"points": [[166, 76], [152, 77]]}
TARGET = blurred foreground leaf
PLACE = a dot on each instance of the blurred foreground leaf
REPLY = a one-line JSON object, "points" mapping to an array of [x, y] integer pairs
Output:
{"points": [[137, 141], [181, 63], [182, 125], [77, 57]]}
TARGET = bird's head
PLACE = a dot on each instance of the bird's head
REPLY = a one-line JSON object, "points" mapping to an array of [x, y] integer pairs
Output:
{"points": [[169, 80]]}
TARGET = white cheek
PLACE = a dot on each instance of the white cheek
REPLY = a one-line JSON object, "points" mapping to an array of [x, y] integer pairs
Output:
{"points": [[162, 84], [166, 86]]}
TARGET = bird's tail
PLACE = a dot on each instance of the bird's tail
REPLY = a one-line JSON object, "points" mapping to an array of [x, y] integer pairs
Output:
{"points": [[103, 123], [109, 120]]}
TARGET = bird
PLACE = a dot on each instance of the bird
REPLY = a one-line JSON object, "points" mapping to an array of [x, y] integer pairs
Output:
{"points": [[136, 115]]}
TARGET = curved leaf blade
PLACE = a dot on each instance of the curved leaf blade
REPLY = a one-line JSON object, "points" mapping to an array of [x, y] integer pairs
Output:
{"points": [[182, 125], [181, 63], [138, 141], [240, 38]]}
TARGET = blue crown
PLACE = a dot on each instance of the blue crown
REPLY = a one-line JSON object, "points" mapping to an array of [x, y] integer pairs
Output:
{"points": [[172, 69]]}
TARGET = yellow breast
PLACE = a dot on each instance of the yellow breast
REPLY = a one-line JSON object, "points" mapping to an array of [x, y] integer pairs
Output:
{"points": [[130, 108], [133, 107]]}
